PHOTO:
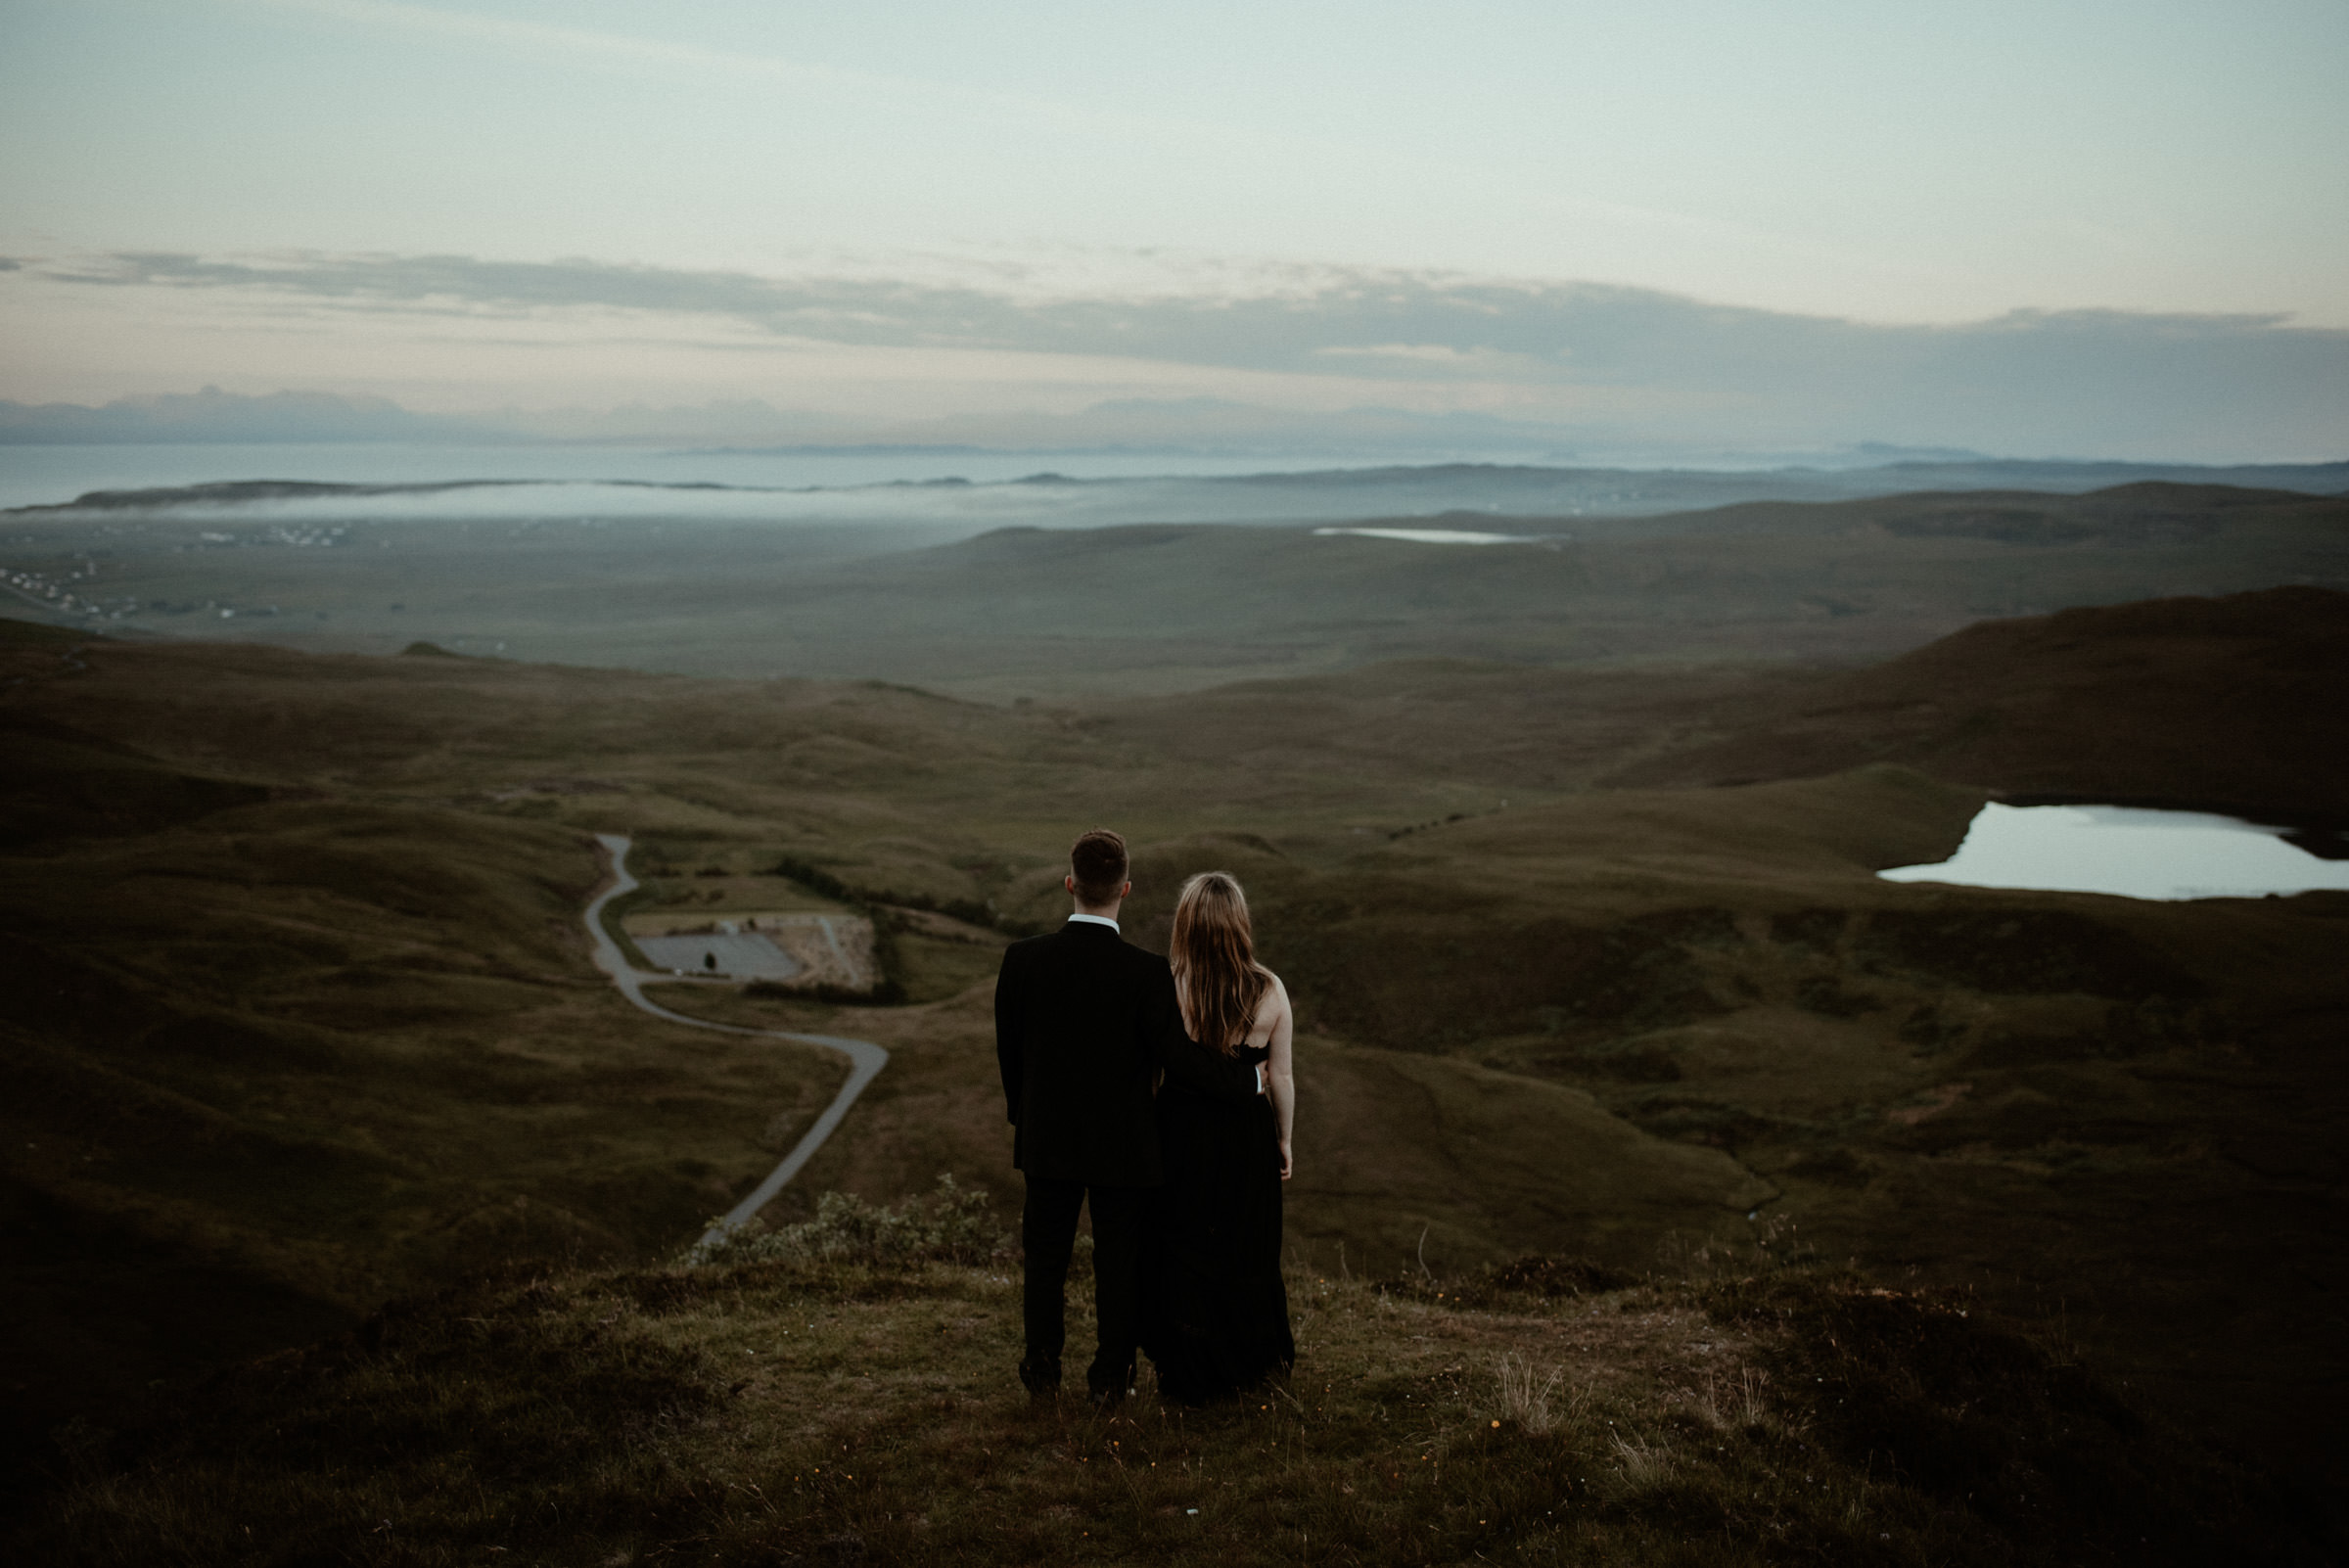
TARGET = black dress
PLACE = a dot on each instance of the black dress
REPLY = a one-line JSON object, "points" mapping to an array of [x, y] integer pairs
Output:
{"points": [[1215, 1309]]}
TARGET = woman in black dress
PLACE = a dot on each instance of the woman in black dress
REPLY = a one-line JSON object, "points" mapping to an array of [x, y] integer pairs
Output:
{"points": [[1216, 1313]]}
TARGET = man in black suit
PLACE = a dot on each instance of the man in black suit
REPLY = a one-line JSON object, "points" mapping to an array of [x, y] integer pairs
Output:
{"points": [[1084, 1023]]}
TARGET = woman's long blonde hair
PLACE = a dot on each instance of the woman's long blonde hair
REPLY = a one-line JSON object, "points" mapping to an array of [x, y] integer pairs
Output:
{"points": [[1213, 955]]}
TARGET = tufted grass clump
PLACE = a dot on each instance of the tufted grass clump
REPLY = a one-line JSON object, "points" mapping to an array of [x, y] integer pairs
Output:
{"points": [[952, 1224], [1641, 1462], [1529, 1394]]}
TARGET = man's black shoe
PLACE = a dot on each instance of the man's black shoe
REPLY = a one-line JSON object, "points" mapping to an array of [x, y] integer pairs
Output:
{"points": [[1107, 1394], [1040, 1375]]}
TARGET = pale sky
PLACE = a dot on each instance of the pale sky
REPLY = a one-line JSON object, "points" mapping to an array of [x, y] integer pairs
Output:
{"points": [[956, 208]]}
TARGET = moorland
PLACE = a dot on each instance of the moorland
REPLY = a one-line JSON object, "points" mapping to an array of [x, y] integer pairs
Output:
{"points": [[1157, 609], [1572, 875]]}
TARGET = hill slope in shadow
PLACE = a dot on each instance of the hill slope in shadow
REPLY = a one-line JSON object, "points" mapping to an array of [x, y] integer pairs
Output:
{"points": [[315, 1010], [2231, 704]]}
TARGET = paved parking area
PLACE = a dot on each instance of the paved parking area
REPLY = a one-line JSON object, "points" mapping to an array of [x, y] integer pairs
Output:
{"points": [[745, 955]]}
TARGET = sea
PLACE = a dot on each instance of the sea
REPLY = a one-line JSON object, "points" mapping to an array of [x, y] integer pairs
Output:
{"points": [[54, 474]]}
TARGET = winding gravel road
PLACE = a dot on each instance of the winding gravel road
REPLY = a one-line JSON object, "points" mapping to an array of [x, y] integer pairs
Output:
{"points": [[865, 1059]]}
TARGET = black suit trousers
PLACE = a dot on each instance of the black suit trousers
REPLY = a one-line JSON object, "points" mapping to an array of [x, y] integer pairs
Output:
{"points": [[1049, 1233]]}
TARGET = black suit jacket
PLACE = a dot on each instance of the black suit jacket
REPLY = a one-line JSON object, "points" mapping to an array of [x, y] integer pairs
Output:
{"points": [[1083, 1020]]}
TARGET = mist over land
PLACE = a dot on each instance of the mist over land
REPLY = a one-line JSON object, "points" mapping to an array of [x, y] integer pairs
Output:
{"points": [[1110, 486], [1050, 586]]}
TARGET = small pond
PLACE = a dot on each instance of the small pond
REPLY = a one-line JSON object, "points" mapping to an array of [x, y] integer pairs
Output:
{"points": [[2130, 853], [1430, 536]]}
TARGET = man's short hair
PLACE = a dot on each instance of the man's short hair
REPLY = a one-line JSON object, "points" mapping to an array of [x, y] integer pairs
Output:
{"points": [[1098, 861]]}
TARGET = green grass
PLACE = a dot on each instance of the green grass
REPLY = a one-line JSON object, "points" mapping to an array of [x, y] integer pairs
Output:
{"points": [[268, 1068], [1127, 612], [857, 1402], [302, 1019]]}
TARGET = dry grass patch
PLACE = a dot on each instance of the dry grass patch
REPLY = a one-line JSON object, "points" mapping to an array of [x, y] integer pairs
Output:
{"points": [[831, 1409]]}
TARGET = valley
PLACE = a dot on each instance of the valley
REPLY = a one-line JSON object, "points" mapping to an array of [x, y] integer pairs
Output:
{"points": [[999, 608], [1590, 954]]}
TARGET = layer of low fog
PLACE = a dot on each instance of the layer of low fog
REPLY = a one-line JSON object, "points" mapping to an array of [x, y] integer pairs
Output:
{"points": [[956, 505]]}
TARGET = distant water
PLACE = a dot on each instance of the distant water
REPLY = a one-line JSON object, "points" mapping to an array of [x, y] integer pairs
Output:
{"points": [[951, 491], [2127, 853], [49, 475], [1430, 536]]}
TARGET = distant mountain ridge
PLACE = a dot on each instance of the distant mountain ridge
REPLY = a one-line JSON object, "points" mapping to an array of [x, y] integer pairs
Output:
{"points": [[217, 416], [1349, 447]]}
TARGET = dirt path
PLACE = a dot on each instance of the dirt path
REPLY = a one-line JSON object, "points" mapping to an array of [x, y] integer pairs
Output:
{"points": [[865, 1059]]}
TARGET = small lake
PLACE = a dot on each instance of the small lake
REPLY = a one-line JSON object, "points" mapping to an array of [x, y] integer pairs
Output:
{"points": [[2127, 853], [1430, 536]]}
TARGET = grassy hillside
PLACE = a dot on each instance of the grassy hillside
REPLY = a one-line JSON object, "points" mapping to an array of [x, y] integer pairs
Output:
{"points": [[854, 1407], [274, 1054], [310, 1023], [1156, 609], [2231, 704]]}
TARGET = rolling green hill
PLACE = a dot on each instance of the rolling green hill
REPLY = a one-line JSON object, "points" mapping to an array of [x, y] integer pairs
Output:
{"points": [[306, 1020], [1174, 607], [2230, 704]]}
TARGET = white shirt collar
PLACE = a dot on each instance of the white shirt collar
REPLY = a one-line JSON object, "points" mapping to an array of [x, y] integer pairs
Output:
{"points": [[1095, 920]]}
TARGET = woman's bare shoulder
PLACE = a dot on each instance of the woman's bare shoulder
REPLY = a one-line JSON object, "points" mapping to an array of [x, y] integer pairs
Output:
{"points": [[1276, 994]]}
